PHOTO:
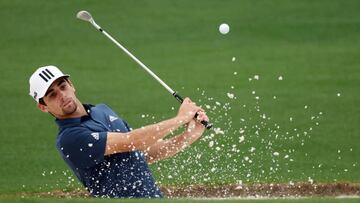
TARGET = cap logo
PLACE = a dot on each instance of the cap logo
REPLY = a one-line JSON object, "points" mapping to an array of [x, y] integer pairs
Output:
{"points": [[35, 95], [46, 75]]}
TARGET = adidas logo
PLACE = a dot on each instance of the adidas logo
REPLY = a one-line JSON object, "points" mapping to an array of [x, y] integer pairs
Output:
{"points": [[112, 118], [95, 136]]}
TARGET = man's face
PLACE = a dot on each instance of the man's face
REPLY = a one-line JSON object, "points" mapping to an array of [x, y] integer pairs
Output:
{"points": [[60, 99]]}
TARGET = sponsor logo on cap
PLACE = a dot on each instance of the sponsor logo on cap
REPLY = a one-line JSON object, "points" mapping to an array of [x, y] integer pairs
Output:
{"points": [[46, 75], [35, 95]]}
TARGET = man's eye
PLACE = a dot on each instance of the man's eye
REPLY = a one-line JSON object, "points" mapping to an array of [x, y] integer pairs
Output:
{"points": [[52, 95], [62, 87]]}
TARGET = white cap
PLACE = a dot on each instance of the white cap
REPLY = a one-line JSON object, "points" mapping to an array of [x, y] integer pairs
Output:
{"points": [[42, 79]]}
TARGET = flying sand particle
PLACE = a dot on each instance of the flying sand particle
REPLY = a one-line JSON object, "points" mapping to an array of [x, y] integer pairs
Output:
{"points": [[241, 139], [230, 95]]}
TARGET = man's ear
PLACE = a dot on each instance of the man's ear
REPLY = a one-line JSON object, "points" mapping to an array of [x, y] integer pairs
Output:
{"points": [[42, 107]]}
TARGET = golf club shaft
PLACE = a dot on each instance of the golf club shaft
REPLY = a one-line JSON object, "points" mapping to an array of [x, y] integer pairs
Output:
{"points": [[175, 94]]}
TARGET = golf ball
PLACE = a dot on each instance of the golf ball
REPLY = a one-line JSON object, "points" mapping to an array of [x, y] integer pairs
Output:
{"points": [[224, 28]]}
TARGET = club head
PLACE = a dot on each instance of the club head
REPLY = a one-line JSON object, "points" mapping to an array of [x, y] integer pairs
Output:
{"points": [[84, 15]]}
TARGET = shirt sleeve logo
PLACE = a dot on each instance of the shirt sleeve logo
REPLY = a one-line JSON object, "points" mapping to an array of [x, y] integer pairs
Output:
{"points": [[95, 136], [112, 118]]}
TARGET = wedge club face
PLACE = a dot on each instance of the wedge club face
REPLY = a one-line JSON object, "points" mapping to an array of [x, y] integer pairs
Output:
{"points": [[86, 16]]}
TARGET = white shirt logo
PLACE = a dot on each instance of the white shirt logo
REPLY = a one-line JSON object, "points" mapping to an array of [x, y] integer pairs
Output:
{"points": [[112, 118], [95, 136]]}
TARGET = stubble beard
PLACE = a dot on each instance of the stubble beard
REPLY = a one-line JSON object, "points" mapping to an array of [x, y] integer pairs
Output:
{"points": [[70, 108]]}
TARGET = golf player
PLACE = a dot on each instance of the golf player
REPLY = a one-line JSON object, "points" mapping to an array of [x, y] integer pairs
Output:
{"points": [[106, 155]]}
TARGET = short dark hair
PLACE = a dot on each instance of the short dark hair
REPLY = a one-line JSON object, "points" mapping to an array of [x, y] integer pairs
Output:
{"points": [[41, 101]]}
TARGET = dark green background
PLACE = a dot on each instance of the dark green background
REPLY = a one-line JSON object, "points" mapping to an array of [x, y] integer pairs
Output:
{"points": [[313, 45]]}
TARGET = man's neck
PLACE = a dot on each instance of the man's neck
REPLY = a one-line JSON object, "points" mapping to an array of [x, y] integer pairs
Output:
{"points": [[79, 112]]}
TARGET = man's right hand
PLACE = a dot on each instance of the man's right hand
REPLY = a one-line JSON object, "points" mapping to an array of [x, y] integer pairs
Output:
{"points": [[187, 110]]}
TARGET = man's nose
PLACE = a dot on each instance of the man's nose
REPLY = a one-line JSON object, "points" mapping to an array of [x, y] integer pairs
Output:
{"points": [[61, 95]]}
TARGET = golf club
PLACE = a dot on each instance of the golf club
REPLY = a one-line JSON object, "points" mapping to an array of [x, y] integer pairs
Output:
{"points": [[86, 16]]}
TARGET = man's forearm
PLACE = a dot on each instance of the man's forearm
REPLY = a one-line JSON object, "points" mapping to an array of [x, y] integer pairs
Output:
{"points": [[141, 138], [168, 148]]}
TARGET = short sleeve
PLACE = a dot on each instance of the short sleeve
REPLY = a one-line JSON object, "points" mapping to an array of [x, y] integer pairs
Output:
{"points": [[83, 147]]}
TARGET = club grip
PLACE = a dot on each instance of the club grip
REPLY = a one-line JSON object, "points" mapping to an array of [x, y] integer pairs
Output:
{"points": [[205, 123], [180, 99]]}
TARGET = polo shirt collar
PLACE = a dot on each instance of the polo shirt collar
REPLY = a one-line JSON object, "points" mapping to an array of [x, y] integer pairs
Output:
{"points": [[74, 121]]}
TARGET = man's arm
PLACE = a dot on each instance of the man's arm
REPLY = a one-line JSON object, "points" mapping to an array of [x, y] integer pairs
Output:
{"points": [[167, 148], [144, 137]]}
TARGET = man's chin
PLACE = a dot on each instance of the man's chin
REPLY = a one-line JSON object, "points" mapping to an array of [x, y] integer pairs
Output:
{"points": [[70, 109]]}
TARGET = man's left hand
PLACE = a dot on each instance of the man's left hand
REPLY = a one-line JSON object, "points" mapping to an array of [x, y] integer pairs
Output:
{"points": [[195, 126]]}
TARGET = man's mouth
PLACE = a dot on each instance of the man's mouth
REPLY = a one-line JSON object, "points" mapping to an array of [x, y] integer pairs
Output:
{"points": [[67, 102]]}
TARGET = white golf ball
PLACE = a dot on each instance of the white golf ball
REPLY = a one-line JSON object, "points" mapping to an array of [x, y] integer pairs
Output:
{"points": [[224, 28]]}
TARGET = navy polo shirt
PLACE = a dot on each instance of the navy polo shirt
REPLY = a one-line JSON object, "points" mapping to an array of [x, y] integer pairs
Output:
{"points": [[81, 143]]}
